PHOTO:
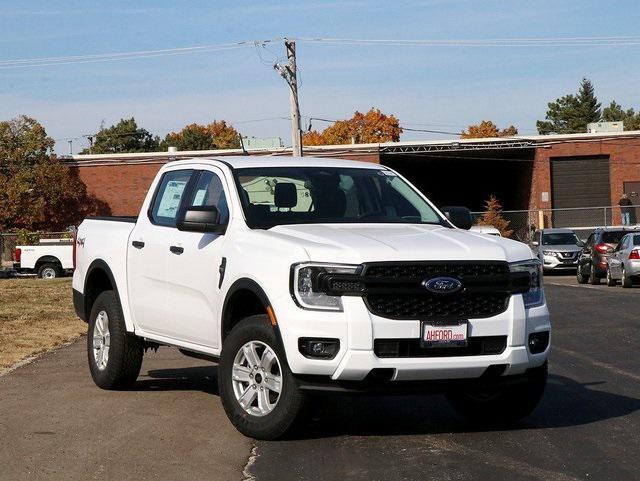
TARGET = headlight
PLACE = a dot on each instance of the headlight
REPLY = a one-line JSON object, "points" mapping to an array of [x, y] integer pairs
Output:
{"points": [[304, 277], [534, 296]]}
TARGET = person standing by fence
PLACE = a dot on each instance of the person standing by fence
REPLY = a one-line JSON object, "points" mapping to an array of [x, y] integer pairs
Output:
{"points": [[625, 209]]}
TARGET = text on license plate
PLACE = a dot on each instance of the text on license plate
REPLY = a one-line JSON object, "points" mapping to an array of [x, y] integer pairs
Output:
{"points": [[444, 335]]}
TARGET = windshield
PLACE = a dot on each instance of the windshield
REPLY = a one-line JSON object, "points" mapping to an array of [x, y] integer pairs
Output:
{"points": [[560, 239], [310, 195]]}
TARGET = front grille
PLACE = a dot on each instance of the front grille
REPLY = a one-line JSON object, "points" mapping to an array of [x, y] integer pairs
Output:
{"points": [[395, 290], [405, 348], [429, 306], [422, 270]]}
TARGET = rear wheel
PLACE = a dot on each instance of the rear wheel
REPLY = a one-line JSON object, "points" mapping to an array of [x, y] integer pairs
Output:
{"points": [[611, 282], [501, 404], [49, 270], [257, 389], [594, 280], [626, 280], [115, 356]]}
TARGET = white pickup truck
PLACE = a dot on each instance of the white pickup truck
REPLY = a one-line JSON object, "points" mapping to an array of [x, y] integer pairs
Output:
{"points": [[305, 274], [50, 259]]}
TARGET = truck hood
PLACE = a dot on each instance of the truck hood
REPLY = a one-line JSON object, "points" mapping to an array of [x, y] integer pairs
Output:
{"points": [[357, 243]]}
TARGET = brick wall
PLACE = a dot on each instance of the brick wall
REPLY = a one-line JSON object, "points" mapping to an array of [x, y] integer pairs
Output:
{"points": [[122, 186], [624, 166]]}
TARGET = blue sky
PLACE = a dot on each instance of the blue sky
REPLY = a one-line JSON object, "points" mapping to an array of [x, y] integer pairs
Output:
{"points": [[439, 88]]}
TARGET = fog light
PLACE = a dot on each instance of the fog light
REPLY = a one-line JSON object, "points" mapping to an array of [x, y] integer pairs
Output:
{"points": [[538, 342], [318, 348]]}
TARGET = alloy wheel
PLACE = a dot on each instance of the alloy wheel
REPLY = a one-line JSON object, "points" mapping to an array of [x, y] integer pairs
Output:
{"points": [[101, 340], [257, 378]]}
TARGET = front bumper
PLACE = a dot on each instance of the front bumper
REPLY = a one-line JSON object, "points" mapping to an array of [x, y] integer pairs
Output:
{"points": [[356, 329], [555, 263]]}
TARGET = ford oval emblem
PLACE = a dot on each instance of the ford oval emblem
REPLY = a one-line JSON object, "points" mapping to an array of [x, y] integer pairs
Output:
{"points": [[442, 285]]}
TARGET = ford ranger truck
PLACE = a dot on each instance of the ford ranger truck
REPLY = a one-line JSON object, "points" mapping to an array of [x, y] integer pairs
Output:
{"points": [[304, 274]]}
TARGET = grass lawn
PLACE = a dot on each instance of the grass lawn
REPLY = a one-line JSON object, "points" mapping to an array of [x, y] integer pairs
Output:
{"points": [[35, 315]]}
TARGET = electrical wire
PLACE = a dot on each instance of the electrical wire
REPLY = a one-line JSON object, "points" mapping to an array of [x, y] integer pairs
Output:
{"points": [[111, 57], [512, 42]]}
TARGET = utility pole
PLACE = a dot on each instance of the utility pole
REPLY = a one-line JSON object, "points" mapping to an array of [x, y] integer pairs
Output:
{"points": [[288, 73]]}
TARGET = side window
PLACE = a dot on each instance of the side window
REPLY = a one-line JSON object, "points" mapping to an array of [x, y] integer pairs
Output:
{"points": [[166, 202], [209, 191]]}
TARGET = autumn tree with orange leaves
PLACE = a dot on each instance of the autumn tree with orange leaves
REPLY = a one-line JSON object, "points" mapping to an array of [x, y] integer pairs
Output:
{"points": [[372, 127], [486, 128]]}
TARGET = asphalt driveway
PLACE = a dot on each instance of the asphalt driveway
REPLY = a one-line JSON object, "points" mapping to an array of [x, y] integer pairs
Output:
{"points": [[55, 424]]}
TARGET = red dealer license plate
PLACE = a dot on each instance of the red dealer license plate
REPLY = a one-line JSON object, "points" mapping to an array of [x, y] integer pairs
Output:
{"points": [[434, 335]]}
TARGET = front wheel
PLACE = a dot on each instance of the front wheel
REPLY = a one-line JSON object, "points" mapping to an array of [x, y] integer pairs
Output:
{"points": [[257, 389], [580, 277], [611, 282], [501, 404]]}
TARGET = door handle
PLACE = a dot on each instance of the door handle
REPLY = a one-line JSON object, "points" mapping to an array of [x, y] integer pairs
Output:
{"points": [[176, 249], [138, 244]]}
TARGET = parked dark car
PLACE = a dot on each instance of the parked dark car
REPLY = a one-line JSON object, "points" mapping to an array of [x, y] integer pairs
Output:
{"points": [[594, 258]]}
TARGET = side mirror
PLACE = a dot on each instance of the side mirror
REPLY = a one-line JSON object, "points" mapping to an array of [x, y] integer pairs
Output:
{"points": [[202, 218], [458, 216], [581, 244]]}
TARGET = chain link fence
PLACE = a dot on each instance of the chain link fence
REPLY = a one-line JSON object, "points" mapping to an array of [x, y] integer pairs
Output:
{"points": [[583, 220], [9, 241]]}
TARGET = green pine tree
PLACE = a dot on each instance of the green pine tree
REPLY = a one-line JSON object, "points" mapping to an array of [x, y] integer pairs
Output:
{"points": [[571, 113]]}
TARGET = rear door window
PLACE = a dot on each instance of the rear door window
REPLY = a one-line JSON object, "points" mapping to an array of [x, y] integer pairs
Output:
{"points": [[166, 202], [612, 237]]}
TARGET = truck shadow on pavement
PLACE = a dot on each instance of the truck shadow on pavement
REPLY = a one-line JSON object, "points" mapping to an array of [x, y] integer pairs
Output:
{"points": [[565, 403], [198, 378]]}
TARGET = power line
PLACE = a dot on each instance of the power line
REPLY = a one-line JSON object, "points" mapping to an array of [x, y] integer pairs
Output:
{"points": [[311, 119], [118, 56], [512, 42]]}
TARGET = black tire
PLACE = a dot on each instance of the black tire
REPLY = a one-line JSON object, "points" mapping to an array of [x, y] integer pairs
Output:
{"points": [[496, 405], [626, 280], [580, 277], [125, 350], [49, 270], [291, 399], [594, 280], [611, 282]]}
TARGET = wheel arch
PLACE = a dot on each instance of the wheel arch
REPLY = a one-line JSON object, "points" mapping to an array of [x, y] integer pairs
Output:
{"points": [[98, 279], [244, 298], [46, 260]]}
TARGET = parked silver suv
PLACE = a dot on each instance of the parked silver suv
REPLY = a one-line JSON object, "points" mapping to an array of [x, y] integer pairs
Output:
{"points": [[557, 249], [624, 262]]}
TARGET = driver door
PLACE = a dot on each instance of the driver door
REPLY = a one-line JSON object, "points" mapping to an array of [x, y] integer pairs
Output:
{"points": [[196, 266]]}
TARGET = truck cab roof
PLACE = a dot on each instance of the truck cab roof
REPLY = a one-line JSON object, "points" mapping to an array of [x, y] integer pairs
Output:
{"points": [[252, 161]]}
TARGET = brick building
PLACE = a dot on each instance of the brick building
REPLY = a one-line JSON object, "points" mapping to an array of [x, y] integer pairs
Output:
{"points": [[524, 172]]}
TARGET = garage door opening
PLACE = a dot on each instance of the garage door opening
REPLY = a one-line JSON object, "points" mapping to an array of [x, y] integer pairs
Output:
{"points": [[468, 178], [580, 182]]}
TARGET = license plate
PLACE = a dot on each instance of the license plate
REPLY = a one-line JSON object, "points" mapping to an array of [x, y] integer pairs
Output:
{"points": [[437, 335]]}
